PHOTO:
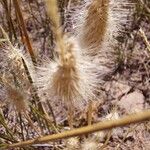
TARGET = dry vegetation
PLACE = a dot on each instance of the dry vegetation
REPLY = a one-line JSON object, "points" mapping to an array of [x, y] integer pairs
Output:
{"points": [[40, 108]]}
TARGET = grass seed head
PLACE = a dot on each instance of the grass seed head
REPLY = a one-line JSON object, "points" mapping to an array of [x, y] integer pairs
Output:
{"points": [[99, 22], [14, 94], [96, 24], [89, 144], [73, 80], [17, 98], [15, 59], [72, 144]]}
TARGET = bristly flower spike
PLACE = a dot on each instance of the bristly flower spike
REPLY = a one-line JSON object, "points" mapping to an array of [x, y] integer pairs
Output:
{"points": [[71, 76], [15, 95], [96, 25], [15, 58]]}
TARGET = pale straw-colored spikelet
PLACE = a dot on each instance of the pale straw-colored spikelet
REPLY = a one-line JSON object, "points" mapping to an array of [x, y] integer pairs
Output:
{"points": [[96, 24], [71, 76], [72, 144], [75, 81], [96, 20], [15, 96], [52, 9], [15, 58], [90, 144]]}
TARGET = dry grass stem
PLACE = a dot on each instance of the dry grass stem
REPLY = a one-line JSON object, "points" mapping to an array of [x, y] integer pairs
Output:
{"points": [[31, 123], [133, 118], [56, 26], [28, 42], [90, 112], [145, 39]]}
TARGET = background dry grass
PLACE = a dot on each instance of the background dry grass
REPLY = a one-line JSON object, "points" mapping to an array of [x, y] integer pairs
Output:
{"points": [[127, 90]]}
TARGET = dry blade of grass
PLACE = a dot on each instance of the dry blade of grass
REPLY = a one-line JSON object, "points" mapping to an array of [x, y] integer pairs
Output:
{"points": [[54, 15], [146, 7], [90, 113], [8, 130], [126, 134], [145, 39], [28, 42], [133, 118], [7, 7]]}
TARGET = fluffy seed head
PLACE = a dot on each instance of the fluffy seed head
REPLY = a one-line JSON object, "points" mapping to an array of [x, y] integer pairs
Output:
{"points": [[14, 60], [96, 24], [113, 116], [17, 98], [95, 20], [90, 144], [73, 144], [75, 80], [73, 75], [13, 95], [100, 136]]}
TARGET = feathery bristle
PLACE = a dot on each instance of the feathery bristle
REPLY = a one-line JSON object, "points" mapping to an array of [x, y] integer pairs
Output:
{"points": [[15, 59], [74, 81], [16, 97], [90, 144], [72, 144], [96, 24], [72, 76]]}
